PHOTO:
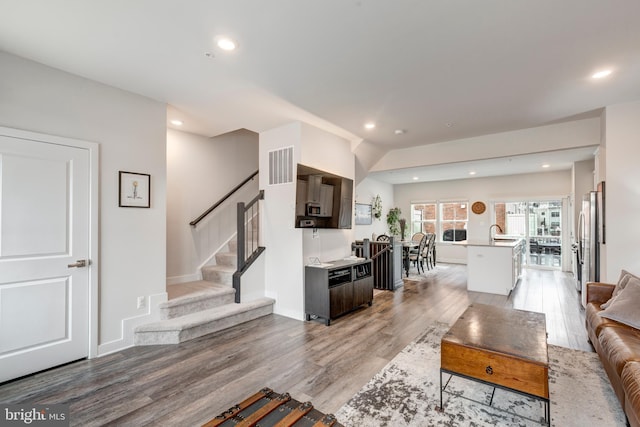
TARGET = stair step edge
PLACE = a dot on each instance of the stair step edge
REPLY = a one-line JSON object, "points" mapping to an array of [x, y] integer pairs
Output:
{"points": [[205, 316], [222, 267], [198, 296]]}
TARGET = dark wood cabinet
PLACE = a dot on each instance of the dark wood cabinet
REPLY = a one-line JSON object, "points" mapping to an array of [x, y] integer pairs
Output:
{"points": [[334, 290], [362, 292], [340, 299]]}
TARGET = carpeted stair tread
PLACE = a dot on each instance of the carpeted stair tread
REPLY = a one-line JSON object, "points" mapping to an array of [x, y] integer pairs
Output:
{"points": [[227, 258], [225, 268], [213, 290], [222, 274], [204, 316]]}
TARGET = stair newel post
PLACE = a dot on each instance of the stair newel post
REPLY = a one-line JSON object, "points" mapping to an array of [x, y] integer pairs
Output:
{"points": [[241, 238]]}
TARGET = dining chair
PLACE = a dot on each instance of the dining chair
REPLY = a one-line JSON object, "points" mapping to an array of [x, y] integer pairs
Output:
{"points": [[383, 238], [415, 255], [535, 251], [429, 254]]}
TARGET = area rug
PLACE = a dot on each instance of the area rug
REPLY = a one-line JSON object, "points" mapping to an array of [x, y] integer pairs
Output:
{"points": [[406, 393]]}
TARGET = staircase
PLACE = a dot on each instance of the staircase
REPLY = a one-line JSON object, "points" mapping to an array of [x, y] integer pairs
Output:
{"points": [[199, 308]]}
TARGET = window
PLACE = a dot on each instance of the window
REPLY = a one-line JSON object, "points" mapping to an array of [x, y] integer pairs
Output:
{"points": [[423, 218], [453, 220]]}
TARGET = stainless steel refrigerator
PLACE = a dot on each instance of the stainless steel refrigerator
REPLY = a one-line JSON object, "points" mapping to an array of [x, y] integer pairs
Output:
{"points": [[588, 245]]}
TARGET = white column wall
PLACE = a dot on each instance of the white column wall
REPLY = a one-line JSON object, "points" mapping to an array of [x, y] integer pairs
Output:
{"points": [[622, 191], [283, 255], [131, 131], [288, 248], [328, 152]]}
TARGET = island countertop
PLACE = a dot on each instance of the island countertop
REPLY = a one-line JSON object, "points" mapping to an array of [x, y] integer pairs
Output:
{"points": [[499, 243]]}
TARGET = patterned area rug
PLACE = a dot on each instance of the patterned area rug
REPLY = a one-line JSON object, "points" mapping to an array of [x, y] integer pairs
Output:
{"points": [[406, 393]]}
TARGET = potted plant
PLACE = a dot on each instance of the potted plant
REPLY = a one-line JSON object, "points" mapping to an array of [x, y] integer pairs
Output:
{"points": [[393, 221], [376, 207]]}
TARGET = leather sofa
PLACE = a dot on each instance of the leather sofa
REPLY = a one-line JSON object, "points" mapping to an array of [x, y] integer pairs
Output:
{"points": [[618, 346]]}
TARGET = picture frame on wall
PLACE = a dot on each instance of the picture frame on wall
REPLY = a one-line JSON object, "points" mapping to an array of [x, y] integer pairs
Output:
{"points": [[135, 190], [363, 214]]}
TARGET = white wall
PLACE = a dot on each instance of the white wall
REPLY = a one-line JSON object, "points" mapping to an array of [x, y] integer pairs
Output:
{"points": [[366, 191], [622, 190], [131, 131], [283, 242], [367, 155], [579, 133], [288, 248], [200, 171], [503, 188], [325, 151]]}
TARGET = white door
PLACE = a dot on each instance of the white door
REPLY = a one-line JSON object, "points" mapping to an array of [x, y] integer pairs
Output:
{"points": [[44, 232]]}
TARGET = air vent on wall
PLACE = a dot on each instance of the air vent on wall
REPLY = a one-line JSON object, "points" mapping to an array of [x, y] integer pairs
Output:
{"points": [[281, 166]]}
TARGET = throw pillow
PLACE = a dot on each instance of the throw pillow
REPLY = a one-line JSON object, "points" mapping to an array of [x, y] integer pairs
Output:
{"points": [[624, 308], [622, 283]]}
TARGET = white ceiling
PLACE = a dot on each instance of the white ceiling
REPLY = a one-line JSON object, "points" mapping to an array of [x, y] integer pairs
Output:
{"points": [[511, 165], [441, 70]]}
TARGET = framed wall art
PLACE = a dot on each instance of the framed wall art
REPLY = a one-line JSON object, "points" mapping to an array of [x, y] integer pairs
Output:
{"points": [[363, 214], [135, 190]]}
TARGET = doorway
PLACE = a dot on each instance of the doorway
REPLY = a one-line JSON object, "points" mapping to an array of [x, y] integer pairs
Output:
{"points": [[540, 223], [48, 238]]}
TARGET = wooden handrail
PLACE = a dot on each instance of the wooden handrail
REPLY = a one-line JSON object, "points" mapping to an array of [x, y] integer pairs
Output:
{"points": [[222, 200]]}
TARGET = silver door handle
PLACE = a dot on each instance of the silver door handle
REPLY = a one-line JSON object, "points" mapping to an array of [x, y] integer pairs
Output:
{"points": [[78, 264]]}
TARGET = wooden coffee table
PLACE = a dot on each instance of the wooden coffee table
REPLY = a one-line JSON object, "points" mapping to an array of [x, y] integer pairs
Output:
{"points": [[501, 347]]}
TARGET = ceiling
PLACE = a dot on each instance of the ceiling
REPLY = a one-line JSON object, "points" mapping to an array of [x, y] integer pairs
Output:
{"points": [[510, 165], [439, 70]]}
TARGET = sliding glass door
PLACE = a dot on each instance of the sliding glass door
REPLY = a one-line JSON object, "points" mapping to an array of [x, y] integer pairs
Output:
{"points": [[540, 223]]}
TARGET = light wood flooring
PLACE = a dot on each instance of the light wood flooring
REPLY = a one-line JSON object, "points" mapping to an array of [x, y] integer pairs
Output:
{"points": [[190, 383]]}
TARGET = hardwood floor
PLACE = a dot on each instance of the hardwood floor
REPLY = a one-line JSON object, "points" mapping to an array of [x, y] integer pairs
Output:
{"points": [[190, 383]]}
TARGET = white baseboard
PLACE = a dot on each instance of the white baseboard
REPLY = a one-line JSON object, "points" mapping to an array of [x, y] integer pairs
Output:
{"points": [[176, 280], [129, 325]]}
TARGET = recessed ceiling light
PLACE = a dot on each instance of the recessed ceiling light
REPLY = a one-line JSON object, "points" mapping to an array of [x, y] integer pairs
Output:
{"points": [[472, 173], [415, 178], [400, 131], [176, 122], [601, 74], [225, 43], [546, 165], [369, 125]]}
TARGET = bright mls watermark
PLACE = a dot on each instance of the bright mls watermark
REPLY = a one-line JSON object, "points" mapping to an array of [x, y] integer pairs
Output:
{"points": [[34, 415]]}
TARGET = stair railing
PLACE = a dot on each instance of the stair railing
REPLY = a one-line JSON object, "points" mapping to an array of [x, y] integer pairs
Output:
{"points": [[381, 255], [223, 199], [248, 237]]}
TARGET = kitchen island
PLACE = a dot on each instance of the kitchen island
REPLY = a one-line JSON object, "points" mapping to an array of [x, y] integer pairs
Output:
{"points": [[494, 267]]}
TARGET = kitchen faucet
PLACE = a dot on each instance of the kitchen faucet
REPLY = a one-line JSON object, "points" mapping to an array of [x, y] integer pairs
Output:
{"points": [[499, 229]]}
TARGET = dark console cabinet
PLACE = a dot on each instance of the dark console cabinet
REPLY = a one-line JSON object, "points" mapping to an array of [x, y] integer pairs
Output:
{"points": [[336, 289]]}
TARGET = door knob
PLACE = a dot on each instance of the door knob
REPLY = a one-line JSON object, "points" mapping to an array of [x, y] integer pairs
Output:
{"points": [[78, 264]]}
